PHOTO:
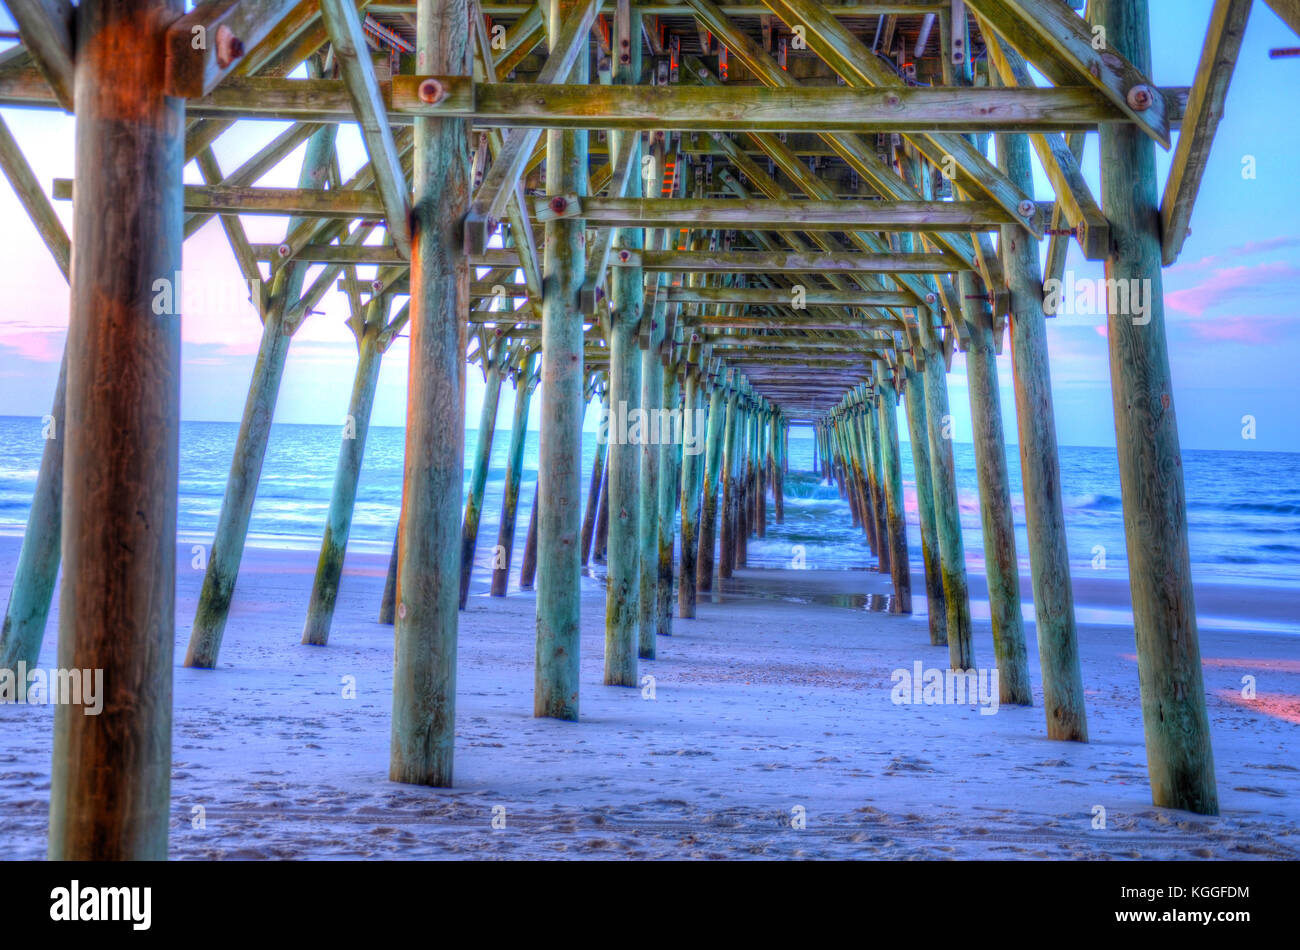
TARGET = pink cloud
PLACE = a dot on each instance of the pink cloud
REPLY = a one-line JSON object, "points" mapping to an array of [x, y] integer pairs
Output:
{"points": [[1232, 283], [1250, 330]]}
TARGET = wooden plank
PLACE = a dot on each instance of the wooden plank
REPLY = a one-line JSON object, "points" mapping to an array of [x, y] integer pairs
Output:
{"points": [[204, 45], [46, 29], [353, 56], [1204, 110]]}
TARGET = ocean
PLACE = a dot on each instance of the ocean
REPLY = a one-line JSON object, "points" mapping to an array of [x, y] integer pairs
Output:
{"points": [[1243, 507]]}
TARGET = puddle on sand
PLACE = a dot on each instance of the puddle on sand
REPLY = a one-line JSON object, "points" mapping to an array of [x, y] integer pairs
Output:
{"points": [[771, 589]]}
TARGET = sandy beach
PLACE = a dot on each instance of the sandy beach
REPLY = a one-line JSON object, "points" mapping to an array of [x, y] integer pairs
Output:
{"points": [[770, 732]]}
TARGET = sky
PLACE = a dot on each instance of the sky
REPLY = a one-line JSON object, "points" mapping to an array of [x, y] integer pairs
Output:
{"points": [[1232, 319]]}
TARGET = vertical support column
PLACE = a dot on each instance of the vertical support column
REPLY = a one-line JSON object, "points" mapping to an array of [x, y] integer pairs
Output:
{"points": [[254, 432], [778, 470], [892, 477], [594, 488], [726, 537], [919, 440], [947, 513], [525, 381], [743, 472], [343, 498], [559, 475], [38, 558], [1001, 566], [601, 541], [1179, 758], [111, 775], [487, 424], [1040, 468], [870, 420], [528, 564], [428, 557], [690, 500], [712, 473], [669, 492], [388, 602]]}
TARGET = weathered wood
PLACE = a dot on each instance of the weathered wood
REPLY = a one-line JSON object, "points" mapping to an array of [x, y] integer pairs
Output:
{"points": [[425, 642], [559, 475], [1001, 566], [947, 512], [692, 475], [726, 536], [110, 780], [46, 28], [478, 474], [206, 44], [222, 572], [919, 444], [525, 383], [1040, 475], [778, 473], [388, 602], [352, 448], [669, 493], [1179, 757], [528, 566], [1204, 110], [709, 505], [892, 476], [598, 469]]}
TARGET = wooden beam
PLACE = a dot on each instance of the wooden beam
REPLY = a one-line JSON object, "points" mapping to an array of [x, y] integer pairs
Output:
{"points": [[353, 57], [46, 28], [205, 45], [1204, 110]]}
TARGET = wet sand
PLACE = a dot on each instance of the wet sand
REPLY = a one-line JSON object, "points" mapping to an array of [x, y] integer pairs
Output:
{"points": [[774, 705]]}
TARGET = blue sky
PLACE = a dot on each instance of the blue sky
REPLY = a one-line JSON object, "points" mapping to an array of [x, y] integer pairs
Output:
{"points": [[1233, 323]]}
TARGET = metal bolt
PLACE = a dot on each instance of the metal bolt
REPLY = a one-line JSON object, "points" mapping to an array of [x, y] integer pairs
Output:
{"points": [[558, 204], [376, 285], [432, 92], [229, 46], [930, 298], [1026, 208], [284, 250], [624, 256], [1140, 97]]}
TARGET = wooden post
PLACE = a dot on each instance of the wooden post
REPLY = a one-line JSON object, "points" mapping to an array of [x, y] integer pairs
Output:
{"points": [[428, 568], [388, 603], [869, 418], [947, 513], [778, 471], [343, 497], [1001, 566], [487, 423], [525, 382], [110, 781], [914, 392], [669, 491], [740, 534], [528, 565], [712, 473], [652, 394], [254, 432], [727, 542], [601, 542], [1179, 758], [593, 489], [559, 475], [692, 466], [1040, 468], [762, 454], [38, 558], [892, 477]]}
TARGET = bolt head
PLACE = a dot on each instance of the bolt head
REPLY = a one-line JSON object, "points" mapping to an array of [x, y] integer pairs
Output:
{"points": [[431, 92], [284, 250], [376, 285], [558, 204], [1026, 208], [1140, 97]]}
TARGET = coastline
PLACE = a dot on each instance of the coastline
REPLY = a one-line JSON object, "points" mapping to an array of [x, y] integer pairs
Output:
{"points": [[761, 706]]}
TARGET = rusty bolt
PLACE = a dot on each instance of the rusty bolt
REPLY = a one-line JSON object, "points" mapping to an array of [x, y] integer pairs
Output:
{"points": [[431, 91], [284, 250], [930, 298], [624, 256], [558, 204], [229, 46], [376, 285], [695, 338], [1026, 208], [1140, 97]]}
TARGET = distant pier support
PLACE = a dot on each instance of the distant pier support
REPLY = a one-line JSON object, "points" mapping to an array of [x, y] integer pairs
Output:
{"points": [[1040, 470], [559, 475], [494, 356], [1179, 757], [525, 383], [110, 783], [428, 567], [692, 469], [712, 474], [919, 442], [1001, 566], [900, 569], [594, 487]]}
